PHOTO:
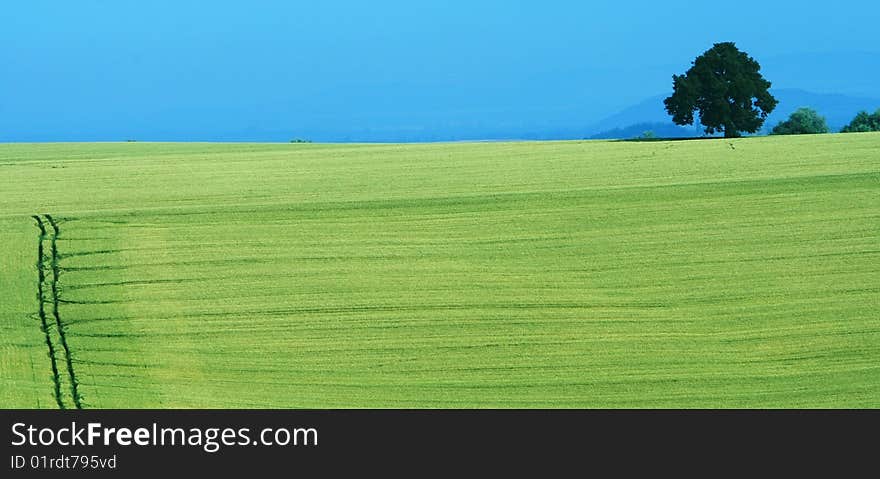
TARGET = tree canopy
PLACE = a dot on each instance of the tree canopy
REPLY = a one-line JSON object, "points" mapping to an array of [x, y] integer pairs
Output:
{"points": [[725, 85], [804, 121], [863, 122]]}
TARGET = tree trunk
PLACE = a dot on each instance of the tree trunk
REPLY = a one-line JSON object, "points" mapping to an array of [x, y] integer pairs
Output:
{"points": [[730, 132]]}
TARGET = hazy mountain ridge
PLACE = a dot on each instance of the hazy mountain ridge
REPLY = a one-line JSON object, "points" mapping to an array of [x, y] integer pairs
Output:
{"points": [[552, 106]]}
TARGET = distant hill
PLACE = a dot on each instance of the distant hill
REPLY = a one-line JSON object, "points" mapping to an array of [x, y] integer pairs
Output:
{"points": [[659, 129], [838, 110], [852, 73]]}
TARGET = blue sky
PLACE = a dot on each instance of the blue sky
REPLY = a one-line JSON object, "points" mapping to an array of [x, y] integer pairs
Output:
{"points": [[390, 70]]}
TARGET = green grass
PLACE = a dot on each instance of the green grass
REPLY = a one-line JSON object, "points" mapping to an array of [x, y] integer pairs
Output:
{"points": [[715, 273], [25, 372]]}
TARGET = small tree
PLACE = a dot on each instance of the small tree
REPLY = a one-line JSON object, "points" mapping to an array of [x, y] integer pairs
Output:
{"points": [[863, 122], [804, 121], [725, 85]]}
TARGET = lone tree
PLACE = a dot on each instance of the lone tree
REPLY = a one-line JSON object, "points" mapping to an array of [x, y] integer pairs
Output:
{"points": [[725, 85], [804, 121]]}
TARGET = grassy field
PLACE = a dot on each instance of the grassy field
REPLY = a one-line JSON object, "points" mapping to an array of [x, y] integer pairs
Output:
{"points": [[717, 273]]}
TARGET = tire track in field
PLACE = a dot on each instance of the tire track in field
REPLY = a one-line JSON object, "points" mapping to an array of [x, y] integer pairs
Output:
{"points": [[74, 386], [48, 271], [44, 326]]}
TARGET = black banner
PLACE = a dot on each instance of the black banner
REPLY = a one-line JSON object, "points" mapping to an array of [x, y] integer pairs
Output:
{"points": [[420, 442]]}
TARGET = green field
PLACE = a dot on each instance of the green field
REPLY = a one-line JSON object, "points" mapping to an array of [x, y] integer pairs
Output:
{"points": [[712, 273]]}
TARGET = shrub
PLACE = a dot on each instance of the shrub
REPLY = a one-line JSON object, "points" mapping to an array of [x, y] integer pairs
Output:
{"points": [[863, 122], [804, 121]]}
